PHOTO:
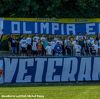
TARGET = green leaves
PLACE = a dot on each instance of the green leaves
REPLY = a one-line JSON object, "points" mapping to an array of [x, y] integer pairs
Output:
{"points": [[49, 8]]}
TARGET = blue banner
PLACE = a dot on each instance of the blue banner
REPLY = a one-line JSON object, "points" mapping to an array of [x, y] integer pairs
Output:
{"points": [[1, 26], [29, 27], [50, 69]]}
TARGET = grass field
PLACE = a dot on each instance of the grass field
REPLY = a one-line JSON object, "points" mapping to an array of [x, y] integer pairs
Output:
{"points": [[91, 91]]}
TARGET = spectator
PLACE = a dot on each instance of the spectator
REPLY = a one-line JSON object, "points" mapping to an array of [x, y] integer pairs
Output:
{"points": [[45, 44], [23, 45], [17, 44], [36, 38], [1, 38], [63, 48], [34, 48], [95, 45], [87, 47], [58, 49], [53, 44], [43, 38], [49, 49], [68, 47], [99, 47], [77, 49], [13, 44], [82, 44], [29, 45], [39, 48]]}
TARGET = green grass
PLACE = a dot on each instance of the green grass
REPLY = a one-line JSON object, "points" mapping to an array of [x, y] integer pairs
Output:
{"points": [[53, 92]]}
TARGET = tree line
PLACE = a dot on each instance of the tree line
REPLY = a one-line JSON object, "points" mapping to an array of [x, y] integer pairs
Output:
{"points": [[50, 8]]}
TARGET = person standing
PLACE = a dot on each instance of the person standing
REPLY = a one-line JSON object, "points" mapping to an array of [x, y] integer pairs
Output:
{"points": [[82, 44], [29, 45], [45, 44], [58, 49], [36, 37], [39, 48], [77, 48], [34, 48], [49, 49], [23, 46], [13, 44]]}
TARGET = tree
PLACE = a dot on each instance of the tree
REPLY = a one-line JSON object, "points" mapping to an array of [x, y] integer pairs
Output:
{"points": [[50, 8]]}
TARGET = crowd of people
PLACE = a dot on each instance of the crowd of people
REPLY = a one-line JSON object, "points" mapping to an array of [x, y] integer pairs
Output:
{"points": [[80, 45]]}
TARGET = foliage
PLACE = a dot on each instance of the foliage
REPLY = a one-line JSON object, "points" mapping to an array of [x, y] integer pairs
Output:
{"points": [[50, 8]]}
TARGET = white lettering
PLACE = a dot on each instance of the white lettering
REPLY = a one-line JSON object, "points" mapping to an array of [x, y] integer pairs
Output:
{"points": [[39, 69], [15, 27], [50, 77], [25, 27], [69, 69], [55, 27], [70, 29], [62, 28], [23, 64], [85, 69], [44, 26], [10, 68], [36, 27], [89, 28], [96, 69]]}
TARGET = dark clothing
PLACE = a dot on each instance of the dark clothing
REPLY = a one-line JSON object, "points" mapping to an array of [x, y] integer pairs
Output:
{"points": [[23, 50], [63, 50], [13, 42], [43, 50], [97, 38], [17, 45], [82, 44], [69, 50], [29, 47], [35, 53], [87, 49]]}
